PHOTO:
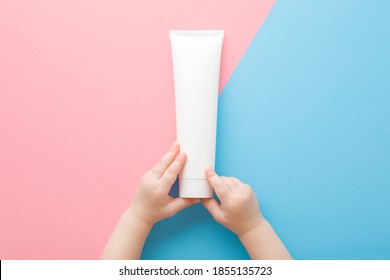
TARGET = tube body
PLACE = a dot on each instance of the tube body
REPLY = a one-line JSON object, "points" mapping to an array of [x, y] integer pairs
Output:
{"points": [[196, 59]]}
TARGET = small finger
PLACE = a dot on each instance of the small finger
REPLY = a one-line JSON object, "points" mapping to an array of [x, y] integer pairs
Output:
{"points": [[169, 177], [217, 183], [166, 160]]}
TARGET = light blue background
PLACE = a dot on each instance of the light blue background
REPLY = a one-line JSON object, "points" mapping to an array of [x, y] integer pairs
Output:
{"points": [[305, 120]]}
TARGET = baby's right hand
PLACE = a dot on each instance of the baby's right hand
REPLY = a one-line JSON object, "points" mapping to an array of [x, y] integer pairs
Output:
{"points": [[239, 210]]}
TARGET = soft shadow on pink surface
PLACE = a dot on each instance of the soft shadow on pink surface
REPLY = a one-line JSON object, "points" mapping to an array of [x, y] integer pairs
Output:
{"points": [[86, 106]]}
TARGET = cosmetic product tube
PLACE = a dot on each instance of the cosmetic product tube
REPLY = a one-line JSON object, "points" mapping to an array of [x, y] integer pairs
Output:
{"points": [[196, 56]]}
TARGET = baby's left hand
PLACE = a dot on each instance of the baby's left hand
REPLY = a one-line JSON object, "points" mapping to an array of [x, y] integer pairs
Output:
{"points": [[151, 202]]}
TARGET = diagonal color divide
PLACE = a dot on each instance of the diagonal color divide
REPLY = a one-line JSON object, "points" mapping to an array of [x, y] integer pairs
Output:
{"points": [[86, 104]]}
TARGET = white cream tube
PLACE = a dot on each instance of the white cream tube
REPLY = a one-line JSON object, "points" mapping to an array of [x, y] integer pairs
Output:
{"points": [[196, 65]]}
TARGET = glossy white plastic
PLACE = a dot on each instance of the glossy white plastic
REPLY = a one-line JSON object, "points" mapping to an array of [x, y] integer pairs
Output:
{"points": [[196, 56]]}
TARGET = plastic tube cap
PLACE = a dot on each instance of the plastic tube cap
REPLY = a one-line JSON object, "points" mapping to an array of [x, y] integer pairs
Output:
{"points": [[194, 188]]}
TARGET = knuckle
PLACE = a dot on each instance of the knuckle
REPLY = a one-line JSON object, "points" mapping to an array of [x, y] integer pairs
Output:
{"points": [[228, 179], [167, 157], [218, 218], [170, 172], [145, 177], [238, 204], [231, 203], [161, 165], [238, 182], [174, 168], [236, 179], [245, 196], [246, 190], [157, 191]]}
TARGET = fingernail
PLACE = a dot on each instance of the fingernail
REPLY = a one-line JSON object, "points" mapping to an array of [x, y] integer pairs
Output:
{"points": [[174, 147], [181, 155], [210, 171]]}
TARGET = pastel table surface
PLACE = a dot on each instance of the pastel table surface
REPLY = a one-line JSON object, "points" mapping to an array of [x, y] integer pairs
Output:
{"points": [[304, 118]]}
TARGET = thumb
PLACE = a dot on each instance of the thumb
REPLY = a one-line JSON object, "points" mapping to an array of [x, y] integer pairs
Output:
{"points": [[218, 184], [178, 204], [213, 207]]}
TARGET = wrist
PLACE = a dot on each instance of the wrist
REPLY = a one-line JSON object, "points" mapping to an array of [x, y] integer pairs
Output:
{"points": [[256, 226], [137, 221]]}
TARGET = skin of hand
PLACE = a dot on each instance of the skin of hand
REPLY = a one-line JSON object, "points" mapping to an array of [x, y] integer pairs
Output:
{"points": [[151, 203], [239, 211]]}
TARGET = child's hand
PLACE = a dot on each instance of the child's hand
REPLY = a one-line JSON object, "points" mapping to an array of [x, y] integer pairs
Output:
{"points": [[239, 210], [151, 202]]}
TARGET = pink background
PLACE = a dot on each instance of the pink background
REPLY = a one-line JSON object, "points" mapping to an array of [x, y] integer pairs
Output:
{"points": [[86, 106]]}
